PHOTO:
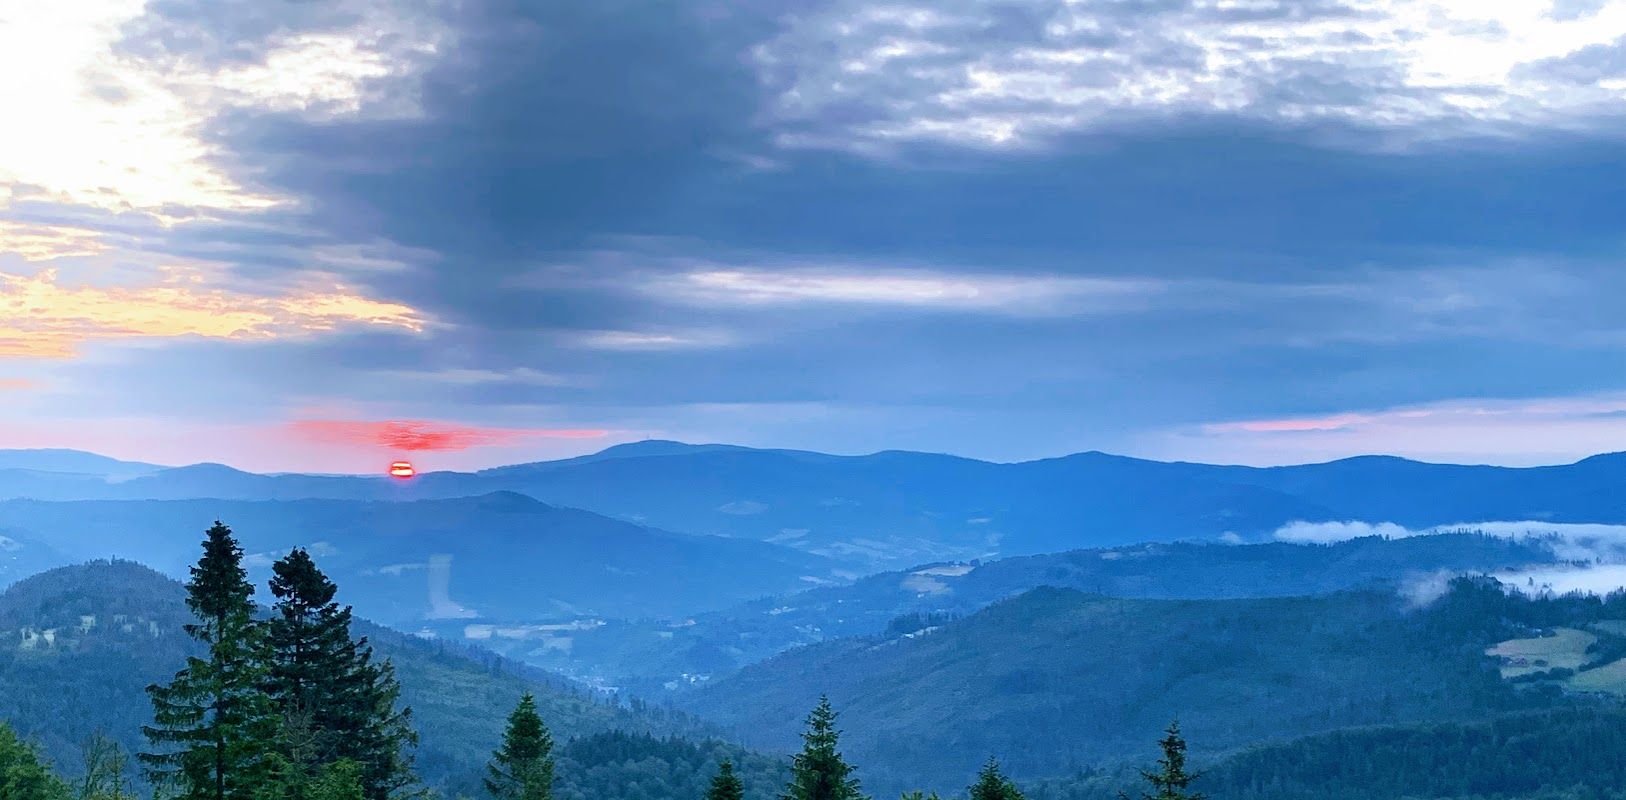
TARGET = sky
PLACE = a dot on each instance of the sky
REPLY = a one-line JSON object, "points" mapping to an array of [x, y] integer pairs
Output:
{"points": [[320, 235]]}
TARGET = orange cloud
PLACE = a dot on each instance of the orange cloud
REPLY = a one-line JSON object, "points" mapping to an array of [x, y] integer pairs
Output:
{"points": [[45, 242], [41, 317], [16, 384], [419, 435]]}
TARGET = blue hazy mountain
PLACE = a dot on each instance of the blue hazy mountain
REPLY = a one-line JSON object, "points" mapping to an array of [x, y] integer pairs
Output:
{"points": [[72, 462], [895, 509], [500, 556]]}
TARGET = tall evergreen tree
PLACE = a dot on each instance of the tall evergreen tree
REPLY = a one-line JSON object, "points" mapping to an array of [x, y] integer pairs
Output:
{"points": [[993, 785], [213, 724], [818, 772], [383, 747], [726, 785], [522, 769], [335, 703], [1171, 781]]}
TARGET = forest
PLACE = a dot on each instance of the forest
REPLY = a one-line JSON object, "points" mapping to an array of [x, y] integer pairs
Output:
{"points": [[292, 705], [1347, 695]]}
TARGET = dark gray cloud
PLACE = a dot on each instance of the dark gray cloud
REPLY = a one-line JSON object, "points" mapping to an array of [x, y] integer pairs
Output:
{"points": [[568, 170]]}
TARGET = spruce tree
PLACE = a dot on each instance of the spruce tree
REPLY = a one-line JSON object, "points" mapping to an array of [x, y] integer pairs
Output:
{"points": [[818, 772], [213, 724], [522, 769], [726, 785], [382, 747], [335, 702], [1170, 781], [993, 785]]}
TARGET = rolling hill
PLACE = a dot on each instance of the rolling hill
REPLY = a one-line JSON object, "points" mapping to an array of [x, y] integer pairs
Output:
{"points": [[501, 556], [1055, 680], [1552, 755], [651, 657], [79, 644]]}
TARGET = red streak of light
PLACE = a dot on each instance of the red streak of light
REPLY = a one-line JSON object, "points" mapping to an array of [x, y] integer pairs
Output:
{"points": [[419, 435]]}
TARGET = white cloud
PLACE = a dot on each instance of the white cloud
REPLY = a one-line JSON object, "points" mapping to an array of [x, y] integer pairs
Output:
{"points": [[1594, 579], [1018, 294], [1601, 543], [1594, 553], [1329, 532], [999, 74], [92, 123], [652, 340]]}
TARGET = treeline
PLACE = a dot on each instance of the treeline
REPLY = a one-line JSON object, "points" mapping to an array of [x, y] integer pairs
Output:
{"points": [[819, 772], [1577, 754]]}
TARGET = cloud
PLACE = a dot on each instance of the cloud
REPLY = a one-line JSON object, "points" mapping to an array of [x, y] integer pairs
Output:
{"points": [[731, 271], [992, 74], [1520, 431], [1593, 555], [1598, 579], [46, 318], [652, 340], [422, 435], [1329, 532], [119, 93], [32, 242], [923, 289], [1601, 543]]}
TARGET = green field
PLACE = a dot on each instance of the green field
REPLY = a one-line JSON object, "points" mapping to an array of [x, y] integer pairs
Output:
{"points": [[1565, 648]]}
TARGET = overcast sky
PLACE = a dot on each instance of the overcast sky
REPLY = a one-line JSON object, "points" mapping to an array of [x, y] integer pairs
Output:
{"points": [[320, 235]]}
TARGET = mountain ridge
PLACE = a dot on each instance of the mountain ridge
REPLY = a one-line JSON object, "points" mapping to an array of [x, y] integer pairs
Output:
{"points": [[648, 448], [893, 509]]}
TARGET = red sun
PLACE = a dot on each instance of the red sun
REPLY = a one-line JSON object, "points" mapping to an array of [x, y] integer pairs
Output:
{"points": [[402, 469]]}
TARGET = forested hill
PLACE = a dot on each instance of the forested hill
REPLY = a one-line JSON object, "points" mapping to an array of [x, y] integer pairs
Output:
{"points": [[651, 655], [1055, 680], [502, 556], [1574, 754], [78, 646]]}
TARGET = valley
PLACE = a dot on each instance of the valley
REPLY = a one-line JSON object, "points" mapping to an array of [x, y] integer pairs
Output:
{"points": [[659, 654]]}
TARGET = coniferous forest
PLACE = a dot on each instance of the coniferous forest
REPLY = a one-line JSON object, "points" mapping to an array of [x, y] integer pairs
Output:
{"points": [[287, 703], [292, 699]]}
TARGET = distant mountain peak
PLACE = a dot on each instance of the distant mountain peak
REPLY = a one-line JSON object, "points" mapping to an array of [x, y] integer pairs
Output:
{"points": [[1604, 458], [659, 447], [506, 500], [206, 468], [57, 459]]}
